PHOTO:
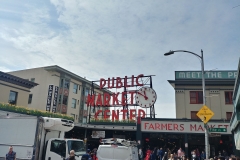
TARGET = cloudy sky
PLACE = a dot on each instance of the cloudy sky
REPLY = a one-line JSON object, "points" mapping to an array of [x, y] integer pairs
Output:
{"points": [[109, 38]]}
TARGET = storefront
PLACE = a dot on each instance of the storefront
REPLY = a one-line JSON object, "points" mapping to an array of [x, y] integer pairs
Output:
{"points": [[187, 134], [166, 133]]}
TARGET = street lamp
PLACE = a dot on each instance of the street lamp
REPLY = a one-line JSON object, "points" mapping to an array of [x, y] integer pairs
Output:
{"points": [[203, 88]]}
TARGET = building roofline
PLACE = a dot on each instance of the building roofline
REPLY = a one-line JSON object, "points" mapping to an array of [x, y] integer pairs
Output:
{"points": [[208, 82], [16, 80], [72, 75]]}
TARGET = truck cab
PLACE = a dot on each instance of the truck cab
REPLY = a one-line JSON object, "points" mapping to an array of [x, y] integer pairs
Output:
{"points": [[58, 148]]}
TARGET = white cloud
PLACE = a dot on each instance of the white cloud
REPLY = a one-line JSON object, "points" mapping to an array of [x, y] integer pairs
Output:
{"points": [[118, 38]]}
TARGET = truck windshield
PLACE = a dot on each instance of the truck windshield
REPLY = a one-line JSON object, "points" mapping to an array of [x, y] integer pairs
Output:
{"points": [[77, 146]]}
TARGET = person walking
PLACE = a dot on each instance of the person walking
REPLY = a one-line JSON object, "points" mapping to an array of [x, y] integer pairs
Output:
{"points": [[72, 155], [87, 155], [140, 154], [11, 155]]}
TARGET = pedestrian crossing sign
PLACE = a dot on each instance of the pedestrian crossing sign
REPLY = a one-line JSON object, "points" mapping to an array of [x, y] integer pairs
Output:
{"points": [[205, 114]]}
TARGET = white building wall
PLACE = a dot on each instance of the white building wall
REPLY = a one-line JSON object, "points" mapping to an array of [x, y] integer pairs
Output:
{"points": [[215, 101]]}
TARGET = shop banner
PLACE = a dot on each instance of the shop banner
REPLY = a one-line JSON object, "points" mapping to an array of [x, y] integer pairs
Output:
{"points": [[98, 134], [49, 98], [181, 127], [55, 96]]}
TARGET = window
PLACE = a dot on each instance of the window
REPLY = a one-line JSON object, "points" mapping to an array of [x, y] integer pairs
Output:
{"points": [[194, 115], [228, 97], [228, 115], [76, 117], [59, 99], [13, 98], [32, 79], [30, 98], [65, 100], [84, 120], [66, 85], [58, 147], [74, 101], [75, 88], [196, 97], [86, 91]]}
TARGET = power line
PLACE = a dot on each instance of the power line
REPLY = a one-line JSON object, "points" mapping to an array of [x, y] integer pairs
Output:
{"points": [[236, 6]]}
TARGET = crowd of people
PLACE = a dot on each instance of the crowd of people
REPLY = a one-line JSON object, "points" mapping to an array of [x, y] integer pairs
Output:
{"points": [[179, 154]]}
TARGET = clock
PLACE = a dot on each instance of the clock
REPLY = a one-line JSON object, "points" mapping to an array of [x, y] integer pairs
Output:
{"points": [[146, 97]]}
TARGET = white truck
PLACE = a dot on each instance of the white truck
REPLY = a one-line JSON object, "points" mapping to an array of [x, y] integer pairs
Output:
{"points": [[37, 138], [116, 149]]}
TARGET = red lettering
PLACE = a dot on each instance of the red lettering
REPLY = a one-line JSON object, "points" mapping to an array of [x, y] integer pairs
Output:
{"points": [[219, 126], [175, 127], [99, 100], [200, 128], [169, 126], [90, 100], [212, 126], [106, 116], [132, 92], [132, 81], [139, 76], [124, 114], [106, 99], [141, 115], [115, 116], [102, 83], [226, 126], [193, 127], [145, 125], [115, 98], [124, 99], [157, 126], [96, 114], [164, 126], [132, 114], [119, 82], [151, 126], [125, 82], [109, 83], [181, 127]]}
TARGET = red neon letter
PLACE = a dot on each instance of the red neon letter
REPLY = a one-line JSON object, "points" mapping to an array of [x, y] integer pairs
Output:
{"points": [[124, 113], [115, 116], [132, 92], [106, 99], [96, 114], [124, 99], [132, 114], [125, 82], [119, 82], [102, 83], [106, 116], [99, 100], [90, 100], [138, 84], [139, 113], [115, 98], [111, 86]]}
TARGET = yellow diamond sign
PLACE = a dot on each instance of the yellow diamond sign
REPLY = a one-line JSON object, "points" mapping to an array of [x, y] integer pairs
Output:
{"points": [[205, 114]]}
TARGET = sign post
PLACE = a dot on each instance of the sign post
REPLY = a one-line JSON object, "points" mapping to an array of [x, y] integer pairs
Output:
{"points": [[205, 114]]}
